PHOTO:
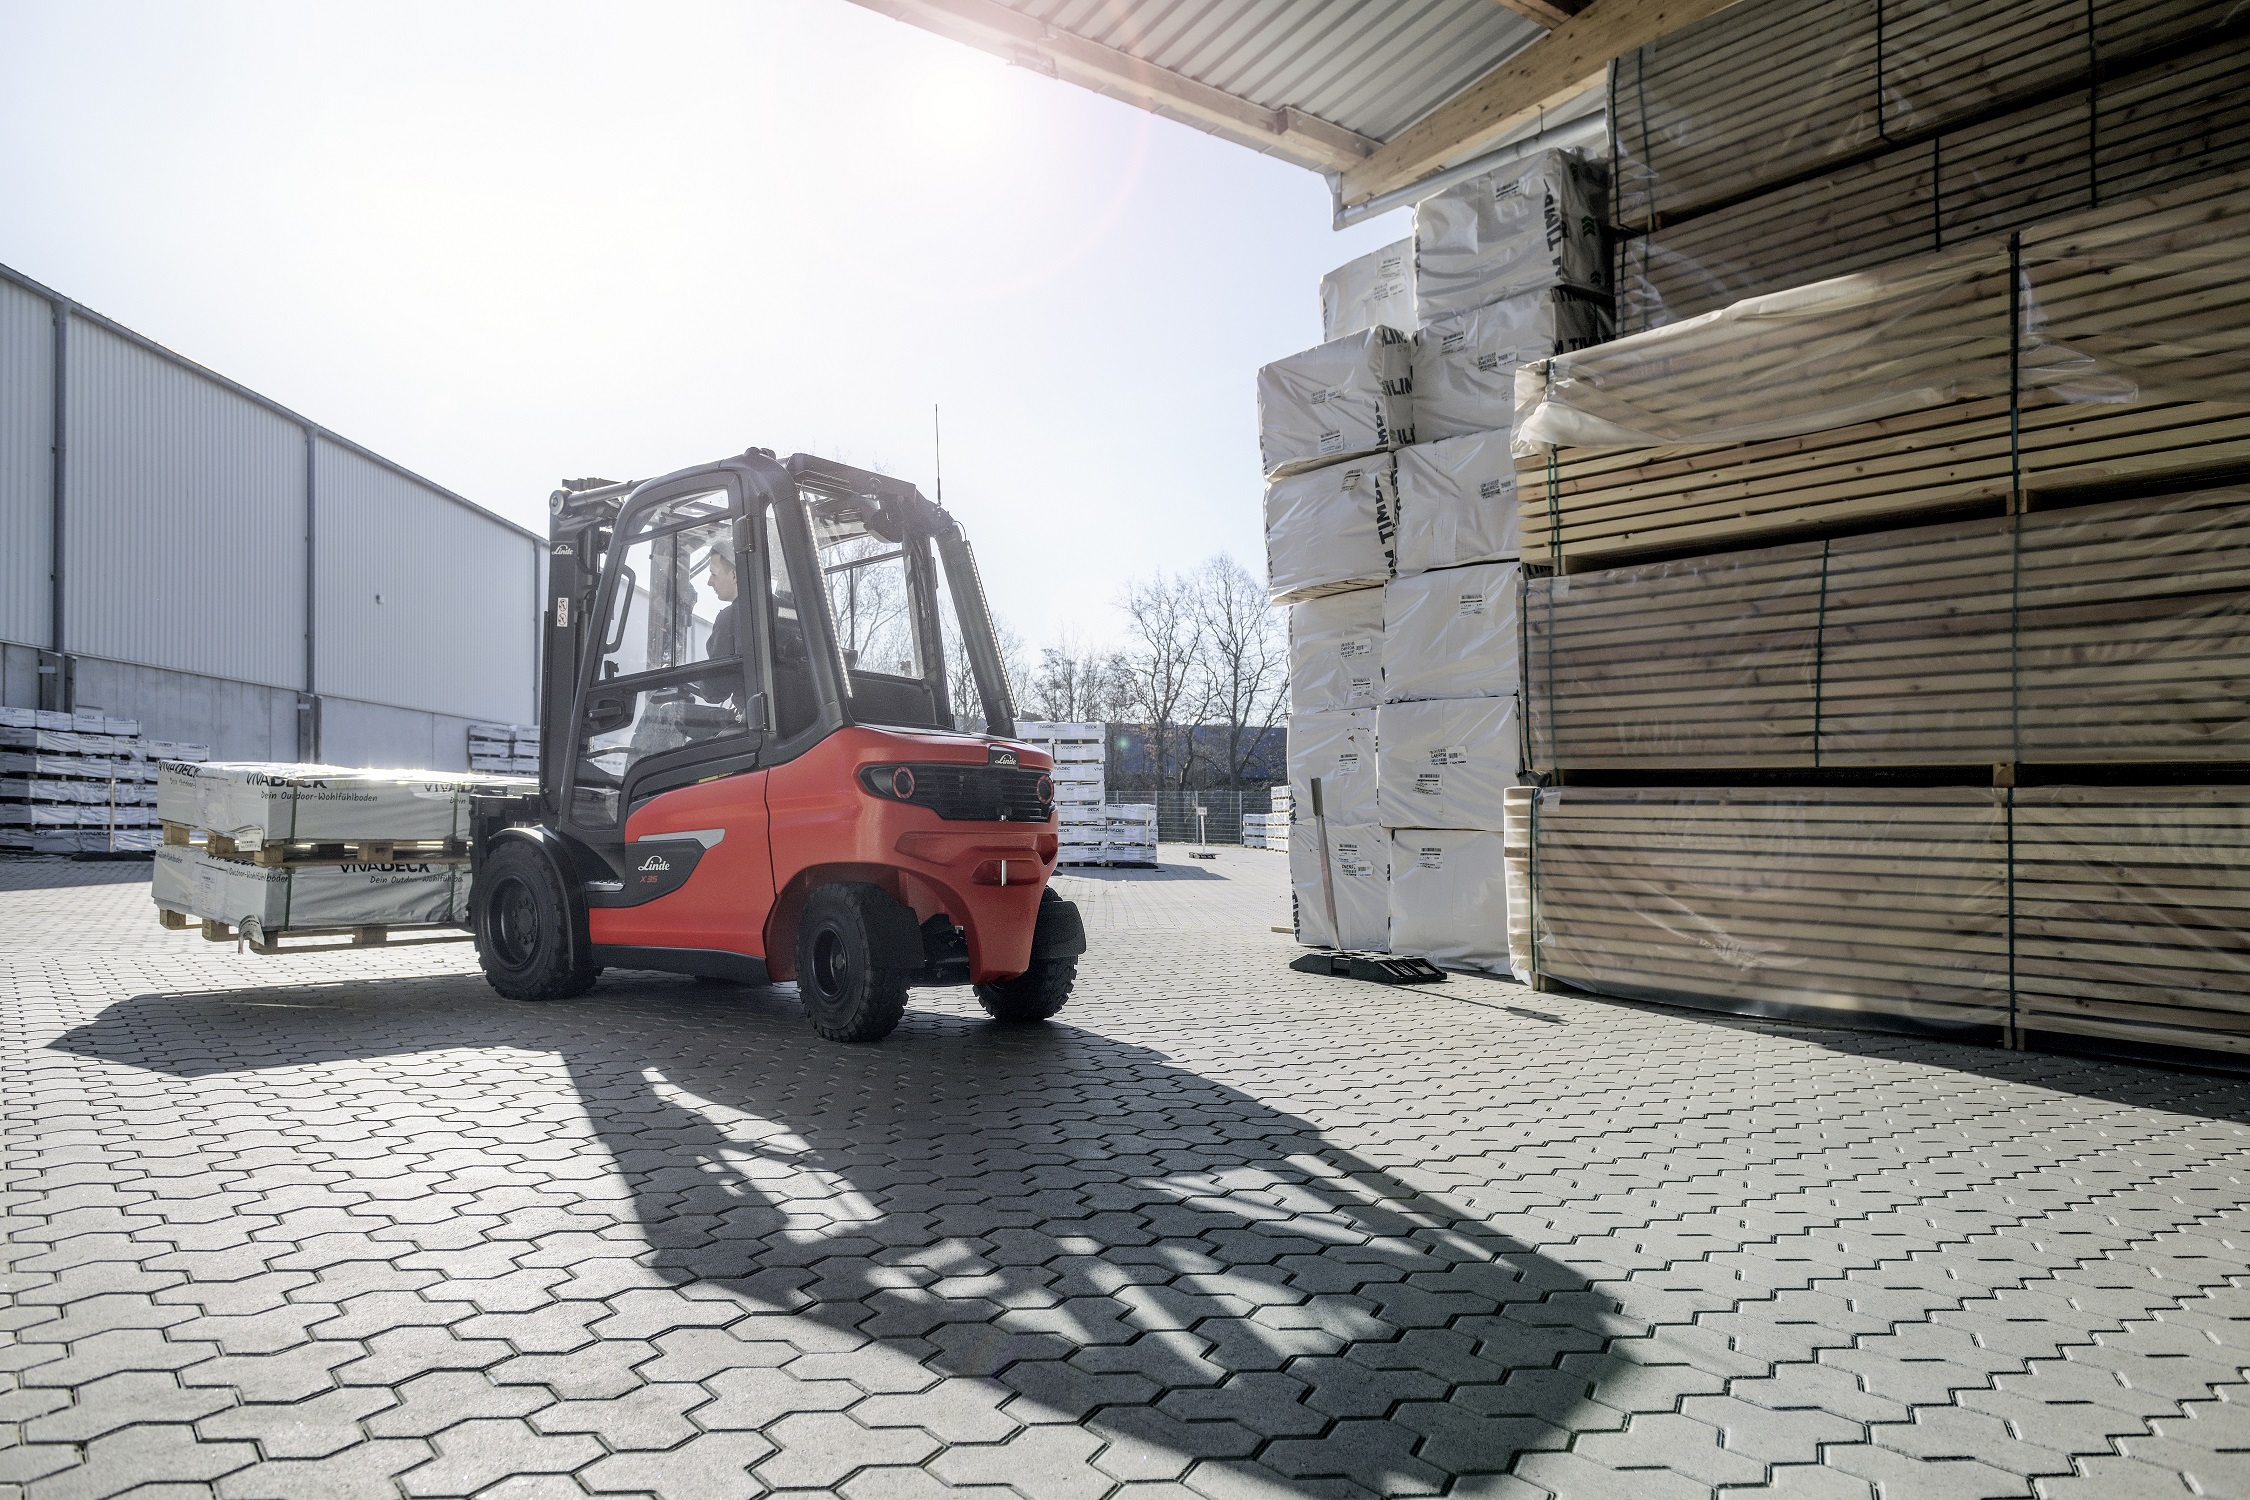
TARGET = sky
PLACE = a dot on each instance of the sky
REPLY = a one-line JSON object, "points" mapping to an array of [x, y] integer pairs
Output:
{"points": [[503, 243]]}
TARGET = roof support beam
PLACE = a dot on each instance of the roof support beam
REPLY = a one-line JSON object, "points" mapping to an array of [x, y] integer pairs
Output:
{"points": [[1560, 64], [1548, 13], [989, 26]]}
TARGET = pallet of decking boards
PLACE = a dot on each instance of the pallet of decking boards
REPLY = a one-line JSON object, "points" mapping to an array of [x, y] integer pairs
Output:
{"points": [[2118, 913], [1774, 90], [2175, 120], [1900, 391], [2117, 631]]}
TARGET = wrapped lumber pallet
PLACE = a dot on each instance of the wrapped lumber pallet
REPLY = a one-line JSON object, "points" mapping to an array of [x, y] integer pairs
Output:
{"points": [[1449, 898], [1453, 633], [1524, 227], [1359, 864], [1348, 397], [2133, 914], [1771, 91], [1374, 291], [262, 902], [1447, 762], [1339, 748], [1329, 530], [1456, 503], [2111, 632], [1516, 852], [1876, 902], [2180, 119], [1336, 651], [252, 803], [1876, 397], [1465, 362]]}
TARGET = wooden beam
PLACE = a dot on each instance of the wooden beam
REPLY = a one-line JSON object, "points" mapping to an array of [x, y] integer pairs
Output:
{"points": [[1561, 64], [1548, 13], [1288, 133]]}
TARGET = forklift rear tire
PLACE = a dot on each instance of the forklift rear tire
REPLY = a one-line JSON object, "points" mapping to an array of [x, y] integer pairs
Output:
{"points": [[1034, 995], [523, 926], [848, 995]]}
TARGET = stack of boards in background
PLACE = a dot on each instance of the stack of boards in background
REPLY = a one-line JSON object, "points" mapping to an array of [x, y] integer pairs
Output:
{"points": [[1093, 833], [1270, 829], [257, 852], [1779, 142], [509, 749], [80, 783], [1887, 657], [1392, 534]]}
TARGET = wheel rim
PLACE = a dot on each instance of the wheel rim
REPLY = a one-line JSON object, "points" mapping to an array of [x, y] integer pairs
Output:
{"points": [[514, 922], [831, 964]]}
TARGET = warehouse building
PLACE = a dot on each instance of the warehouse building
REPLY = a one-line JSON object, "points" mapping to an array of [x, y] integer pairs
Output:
{"points": [[179, 550]]}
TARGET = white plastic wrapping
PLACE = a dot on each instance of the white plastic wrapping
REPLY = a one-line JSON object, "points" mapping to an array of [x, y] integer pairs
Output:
{"points": [[1529, 225], [261, 900], [1329, 529], [1374, 291], [1448, 762], [1452, 633], [1359, 858], [1336, 651], [1517, 837], [259, 802], [1339, 748], [1349, 396], [1457, 503], [1465, 363], [1449, 898]]}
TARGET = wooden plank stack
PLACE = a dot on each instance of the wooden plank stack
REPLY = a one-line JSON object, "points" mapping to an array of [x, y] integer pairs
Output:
{"points": [[1784, 141], [1887, 639]]}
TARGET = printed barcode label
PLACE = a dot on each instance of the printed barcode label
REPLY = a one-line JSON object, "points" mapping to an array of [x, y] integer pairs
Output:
{"points": [[1488, 362], [1452, 343], [1472, 604], [1358, 646], [1490, 489], [1430, 858], [1347, 762], [1429, 784]]}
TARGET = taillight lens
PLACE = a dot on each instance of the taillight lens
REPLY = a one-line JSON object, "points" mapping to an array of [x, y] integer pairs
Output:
{"points": [[902, 783], [1045, 789]]}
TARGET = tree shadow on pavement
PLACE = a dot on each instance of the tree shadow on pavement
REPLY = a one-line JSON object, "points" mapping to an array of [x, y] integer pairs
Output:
{"points": [[1181, 1269]]}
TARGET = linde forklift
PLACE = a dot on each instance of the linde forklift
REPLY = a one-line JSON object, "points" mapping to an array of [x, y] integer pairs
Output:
{"points": [[750, 766]]}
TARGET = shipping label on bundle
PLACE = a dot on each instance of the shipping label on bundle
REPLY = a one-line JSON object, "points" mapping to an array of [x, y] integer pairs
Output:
{"points": [[1449, 755], [1347, 762], [1350, 861], [1331, 441], [1471, 604], [1359, 687], [1429, 857], [1491, 489], [1357, 646], [1430, 783]]}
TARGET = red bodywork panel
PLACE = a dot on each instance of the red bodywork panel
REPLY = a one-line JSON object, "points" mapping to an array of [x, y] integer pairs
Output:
{"points": [[816, 823]]}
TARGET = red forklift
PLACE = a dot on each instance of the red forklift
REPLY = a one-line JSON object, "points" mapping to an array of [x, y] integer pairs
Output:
{"points": [[752, 767]]}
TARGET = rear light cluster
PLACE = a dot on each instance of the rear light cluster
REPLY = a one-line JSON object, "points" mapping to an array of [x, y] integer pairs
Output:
{"points": [[966, 793]]}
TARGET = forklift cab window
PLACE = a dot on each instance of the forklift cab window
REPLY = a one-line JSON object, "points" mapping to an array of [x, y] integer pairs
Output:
{"points": [[796, 700], [664, 607], [878, 628]]}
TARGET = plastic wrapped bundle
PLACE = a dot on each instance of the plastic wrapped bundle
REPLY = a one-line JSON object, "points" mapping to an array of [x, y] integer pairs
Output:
{"points": [[1339, 748], [1457, 503], [1336, 651], [1465, 363], [260, 803], [1527, 226], [1374, 291], [1359, 863], [259, 900], [1449, 898], [1447, 762], [1451, 633], [1350, 396], [1329, 529]]}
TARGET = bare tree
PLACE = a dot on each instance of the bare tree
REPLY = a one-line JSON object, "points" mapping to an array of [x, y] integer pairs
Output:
{"points": [[1243, 660], [1070, 683], [1159, 663], [960, 678]]}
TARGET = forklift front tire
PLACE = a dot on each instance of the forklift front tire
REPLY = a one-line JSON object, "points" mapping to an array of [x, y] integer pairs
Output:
{"points": [[850, 994], [523, 927]]}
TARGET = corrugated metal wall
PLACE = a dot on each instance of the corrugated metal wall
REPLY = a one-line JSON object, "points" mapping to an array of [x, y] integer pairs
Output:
{"points": [[184, 510], [419, 602], [27, 357]]}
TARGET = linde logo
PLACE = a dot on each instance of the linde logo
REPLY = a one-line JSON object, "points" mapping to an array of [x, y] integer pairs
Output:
{"points": [[1004, 757], [655, 864]]}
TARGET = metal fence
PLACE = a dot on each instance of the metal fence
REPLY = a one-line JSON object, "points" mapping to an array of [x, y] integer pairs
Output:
{"points": [[1222, 810]]}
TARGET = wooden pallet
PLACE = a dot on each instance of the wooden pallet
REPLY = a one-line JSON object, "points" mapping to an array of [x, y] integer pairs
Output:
{"points": [[313, 939], [1768, 92], [2113, 632], [280, 853]]}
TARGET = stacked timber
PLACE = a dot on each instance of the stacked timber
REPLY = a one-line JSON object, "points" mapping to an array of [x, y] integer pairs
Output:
{"points": [[1890, 652], [81, 782], [1785, 141]]}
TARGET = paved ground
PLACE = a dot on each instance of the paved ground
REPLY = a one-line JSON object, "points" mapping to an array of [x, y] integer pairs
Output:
{"points": [[351, 1225]]}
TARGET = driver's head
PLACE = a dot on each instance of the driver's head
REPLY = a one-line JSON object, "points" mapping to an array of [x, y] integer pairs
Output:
{"points": [[723, 582]]}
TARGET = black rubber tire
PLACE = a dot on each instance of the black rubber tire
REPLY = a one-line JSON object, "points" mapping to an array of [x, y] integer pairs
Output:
{"points": [[848, 997], [1034, 995], [524, 919]]}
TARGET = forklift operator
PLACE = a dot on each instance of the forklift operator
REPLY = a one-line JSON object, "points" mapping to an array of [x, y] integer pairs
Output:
{"points": [[724, 584]]}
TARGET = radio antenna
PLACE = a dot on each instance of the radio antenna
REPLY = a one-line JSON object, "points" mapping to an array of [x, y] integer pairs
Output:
{"points": [[937, 447]]}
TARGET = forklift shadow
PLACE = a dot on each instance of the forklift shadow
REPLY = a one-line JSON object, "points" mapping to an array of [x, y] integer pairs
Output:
{"points": [[1137, 872], [1123, 1241]]}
